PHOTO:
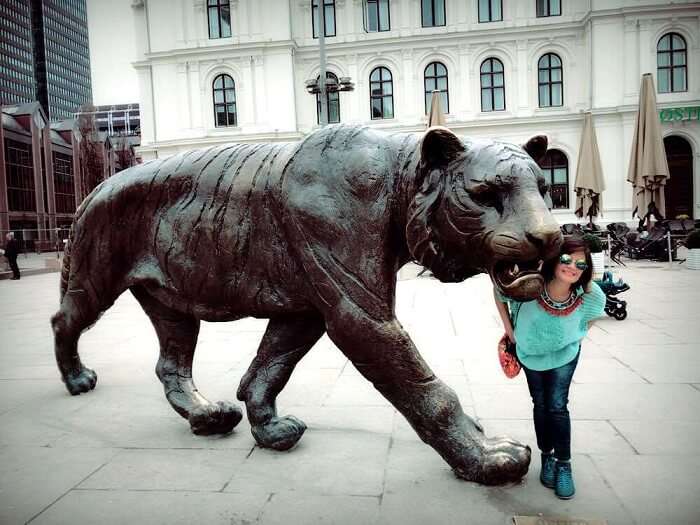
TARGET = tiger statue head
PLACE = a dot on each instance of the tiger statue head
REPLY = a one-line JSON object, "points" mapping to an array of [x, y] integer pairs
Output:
{"points": [[478, 207]]}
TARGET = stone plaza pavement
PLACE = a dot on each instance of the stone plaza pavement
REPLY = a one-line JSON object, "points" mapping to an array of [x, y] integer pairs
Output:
{"points": [[120, 454]]}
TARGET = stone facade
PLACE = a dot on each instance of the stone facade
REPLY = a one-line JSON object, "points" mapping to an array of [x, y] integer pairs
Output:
{"points": [[604, 48]]}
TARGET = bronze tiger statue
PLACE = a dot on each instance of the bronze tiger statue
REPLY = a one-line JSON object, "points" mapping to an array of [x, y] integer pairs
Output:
{"points": [[310, 235]]}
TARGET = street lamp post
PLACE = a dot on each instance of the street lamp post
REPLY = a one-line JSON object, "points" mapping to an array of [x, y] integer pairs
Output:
{"points": [[324, 85]]}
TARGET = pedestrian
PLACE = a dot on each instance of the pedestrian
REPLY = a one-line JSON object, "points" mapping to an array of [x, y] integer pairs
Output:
{"points": [[548, 333], [11, 251]]}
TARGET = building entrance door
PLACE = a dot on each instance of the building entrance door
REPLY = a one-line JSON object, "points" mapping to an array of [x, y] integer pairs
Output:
{"points": [[679, 188]]}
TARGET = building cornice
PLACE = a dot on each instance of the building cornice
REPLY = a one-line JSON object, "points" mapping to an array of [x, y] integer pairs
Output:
{"points": [[213, 140], [663, 9], [214, 52]]}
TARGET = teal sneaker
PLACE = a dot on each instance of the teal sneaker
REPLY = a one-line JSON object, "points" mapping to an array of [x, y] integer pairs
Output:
{"points": [[547, 471], [564, 483]]}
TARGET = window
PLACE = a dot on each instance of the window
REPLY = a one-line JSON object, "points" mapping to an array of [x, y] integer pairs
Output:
{"points": [[328, 17], [435, 78], [555, 168], [548, 8], [20, 176], [377, 16], [332, 102], [219, 13], [432, 13], [550, 81], [671, 63], [493, 90], [224, 101], [381, 93], [490, 10], [63, 183]]}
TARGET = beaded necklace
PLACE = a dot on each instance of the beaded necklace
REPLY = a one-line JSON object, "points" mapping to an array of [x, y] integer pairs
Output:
{"points": [[557, 308]]}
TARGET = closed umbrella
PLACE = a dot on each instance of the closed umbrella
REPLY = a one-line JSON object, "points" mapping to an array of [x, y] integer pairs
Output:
{"points": [[436, 117], [589, 184], [648, 169]]}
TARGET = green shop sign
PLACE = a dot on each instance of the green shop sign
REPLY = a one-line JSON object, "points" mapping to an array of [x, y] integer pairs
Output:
{"points": [[678, 114]]}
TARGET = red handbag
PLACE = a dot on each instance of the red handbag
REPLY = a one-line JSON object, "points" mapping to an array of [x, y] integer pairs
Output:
{"points": [[507, 358], [506, 349]]}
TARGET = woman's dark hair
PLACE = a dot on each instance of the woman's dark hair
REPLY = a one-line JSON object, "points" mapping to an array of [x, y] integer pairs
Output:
{"points": [[571, 244]]}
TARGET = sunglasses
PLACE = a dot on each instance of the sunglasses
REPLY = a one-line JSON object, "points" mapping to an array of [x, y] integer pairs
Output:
{"points": [[580, 264]]}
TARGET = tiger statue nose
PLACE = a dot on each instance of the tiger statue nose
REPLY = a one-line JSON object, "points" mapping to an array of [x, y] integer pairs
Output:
{"points": [[547, 239]]}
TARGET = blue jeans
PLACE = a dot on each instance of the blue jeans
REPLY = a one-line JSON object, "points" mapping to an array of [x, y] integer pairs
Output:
{"points": [[550, 396]]}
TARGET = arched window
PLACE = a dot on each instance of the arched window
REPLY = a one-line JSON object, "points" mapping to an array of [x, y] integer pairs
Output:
{"points": [[381, 93], [550, 81], [493, 87], [555, 168], [219, 13], [377, 16], [224, 101], [327, 17], [671, 63], [435, 78], [432, 13], [332, 102]]}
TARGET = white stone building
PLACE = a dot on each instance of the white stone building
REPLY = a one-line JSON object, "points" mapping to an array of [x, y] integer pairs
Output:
{"points": [[589, 55]]}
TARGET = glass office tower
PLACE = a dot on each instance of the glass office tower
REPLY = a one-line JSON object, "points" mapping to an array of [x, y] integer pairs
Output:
{"points": [[45, 55]]}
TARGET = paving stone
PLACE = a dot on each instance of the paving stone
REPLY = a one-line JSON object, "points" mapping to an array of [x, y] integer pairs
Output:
{"points": [[19, 392], [587, 437], [660, 437], [298, 507], [607, 370], [664, 364], [635, 401], [502, 401], [330, 463], [421, 490], [34, 477], [310, 387], [116, 507], [654, 489], [171, 469], [373, 419]]}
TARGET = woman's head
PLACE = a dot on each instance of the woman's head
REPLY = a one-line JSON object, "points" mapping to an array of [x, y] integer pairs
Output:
{"points": [[568, 269]]}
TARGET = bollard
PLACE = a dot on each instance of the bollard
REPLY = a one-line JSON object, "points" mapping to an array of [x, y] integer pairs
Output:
{"points": [[670, 254]]}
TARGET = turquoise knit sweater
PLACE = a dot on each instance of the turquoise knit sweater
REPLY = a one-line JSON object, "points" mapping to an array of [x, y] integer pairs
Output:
{"points": [[545, 341]]}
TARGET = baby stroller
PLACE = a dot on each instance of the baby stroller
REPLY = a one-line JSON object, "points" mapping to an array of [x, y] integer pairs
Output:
{"points": [[618, 236], [634, 245], [614, 307]]}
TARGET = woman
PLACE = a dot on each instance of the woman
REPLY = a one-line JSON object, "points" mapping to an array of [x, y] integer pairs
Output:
{"points": [[548, 333]]}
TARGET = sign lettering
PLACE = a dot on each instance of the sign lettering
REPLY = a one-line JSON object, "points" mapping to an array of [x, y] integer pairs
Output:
{"points": [[679, 114]]}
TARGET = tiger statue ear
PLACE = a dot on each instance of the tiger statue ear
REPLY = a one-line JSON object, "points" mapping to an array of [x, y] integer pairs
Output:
{"points": [[438, 148], [536, 147]]}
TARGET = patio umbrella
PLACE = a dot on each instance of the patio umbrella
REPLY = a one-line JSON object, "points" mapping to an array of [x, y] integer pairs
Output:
{"points": [[436, 117], [648, 169], [589, 184]]}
